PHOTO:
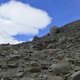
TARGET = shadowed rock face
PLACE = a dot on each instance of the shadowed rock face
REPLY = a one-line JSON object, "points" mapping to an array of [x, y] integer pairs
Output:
{"points": [[55, 56]]}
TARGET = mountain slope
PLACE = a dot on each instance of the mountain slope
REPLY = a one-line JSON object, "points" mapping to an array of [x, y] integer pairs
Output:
{"points": [[55, 56]]}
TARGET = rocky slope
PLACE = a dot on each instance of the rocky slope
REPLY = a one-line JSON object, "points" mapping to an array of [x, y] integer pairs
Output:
{"points": [[55, 56]]}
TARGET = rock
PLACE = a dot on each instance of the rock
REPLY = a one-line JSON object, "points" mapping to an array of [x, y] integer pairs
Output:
{"points": [[36, 38], [54, 29], [13, 64], [74, 76], [44, 66], [9, 73], [6, 78], [34, 63], [60, 56], [24, 78], [70, 60], [12, 56], [26, 58], [14, 78], [77, 62], [2, 54], [4, 65], [27, 78], [60, 68], [62, 40], [35, 70], [42, 77], [77, 68], [55, 78], [20, 74]]}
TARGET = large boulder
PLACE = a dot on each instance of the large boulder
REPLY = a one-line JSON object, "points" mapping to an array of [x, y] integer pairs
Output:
{"points": [[60, 68]]}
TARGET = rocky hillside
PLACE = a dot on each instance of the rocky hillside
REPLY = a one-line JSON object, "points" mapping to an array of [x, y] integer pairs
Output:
{"points": [[55, 56]]}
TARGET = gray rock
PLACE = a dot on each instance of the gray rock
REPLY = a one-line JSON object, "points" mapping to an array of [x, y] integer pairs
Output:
{"points": [[62, 40], [77, 68], [26, 58], [13, 64], [60, 68], [60, 56], [8, 73], [27, 78], [4, 65], [75, 76], [13, 56], [55, 78], [54, 29], [34, 63], [34, 70], [36, 38], [2, 54], [20, 74], [6, 78], [44, 66]]}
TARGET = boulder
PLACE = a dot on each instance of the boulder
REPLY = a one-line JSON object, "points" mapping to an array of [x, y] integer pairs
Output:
{"points": [[60, 68]]}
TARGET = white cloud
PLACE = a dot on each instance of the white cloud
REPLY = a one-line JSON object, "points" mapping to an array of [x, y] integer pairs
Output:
{"points": [[19, 18]]}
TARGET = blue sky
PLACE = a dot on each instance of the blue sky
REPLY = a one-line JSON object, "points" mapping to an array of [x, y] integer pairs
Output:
{"points": [[61, 12]]}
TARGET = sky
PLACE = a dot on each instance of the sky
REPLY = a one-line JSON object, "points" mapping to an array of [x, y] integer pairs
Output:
{"points": [[21, 20]]}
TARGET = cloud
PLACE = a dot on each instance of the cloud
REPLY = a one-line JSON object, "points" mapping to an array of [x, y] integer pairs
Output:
{"points": [[19, 18]]}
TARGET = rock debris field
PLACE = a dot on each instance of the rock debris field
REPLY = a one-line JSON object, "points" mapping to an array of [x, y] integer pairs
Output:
{"points": [[55, 56]]}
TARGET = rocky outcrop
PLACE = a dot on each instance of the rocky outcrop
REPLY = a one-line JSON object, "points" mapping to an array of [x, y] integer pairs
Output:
{"points": [[54, 30]]}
